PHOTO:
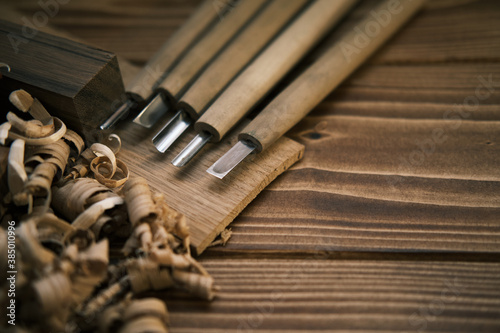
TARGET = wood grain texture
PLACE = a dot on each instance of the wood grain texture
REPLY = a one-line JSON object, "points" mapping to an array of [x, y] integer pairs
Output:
{"points": [[77, 83], [9, 13], [209, 203], [306, 295], [339, 200]]}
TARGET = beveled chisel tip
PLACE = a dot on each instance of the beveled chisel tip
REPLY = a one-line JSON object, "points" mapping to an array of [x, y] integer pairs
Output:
{"points": [[231, 159], [152, 112], [172, 131], [192, 149]]}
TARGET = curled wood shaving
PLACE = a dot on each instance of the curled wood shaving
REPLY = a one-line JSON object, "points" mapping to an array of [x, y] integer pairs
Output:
{"points": [[23, 101], [101, 150], [59, 131], [51, 228], [224, 238], [146, 274], [56, 153], [75, 196], [31, 128], [140, 204], [54, 292], [62, 270], [75, 140], [90, 216], [144, 315], [77, 171], [114, 142], [4, 249], [4, 132], [199, 285], [96, 304], [107, 178], [15, 171], [104, 226]]}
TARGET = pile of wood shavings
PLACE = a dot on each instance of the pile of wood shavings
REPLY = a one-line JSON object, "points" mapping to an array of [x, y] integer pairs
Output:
{"points": [[67, 203]]}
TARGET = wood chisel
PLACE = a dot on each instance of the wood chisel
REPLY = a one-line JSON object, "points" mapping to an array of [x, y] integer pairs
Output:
{"points": [[200, 55], [255, 82], [259, 32], [141, 88], [337, 63]]}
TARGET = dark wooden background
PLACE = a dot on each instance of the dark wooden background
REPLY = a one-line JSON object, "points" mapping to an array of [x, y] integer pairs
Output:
{"points": [[391, 222]]}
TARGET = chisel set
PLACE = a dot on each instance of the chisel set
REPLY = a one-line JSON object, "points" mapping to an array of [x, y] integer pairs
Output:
{"points": [[224, 61]]}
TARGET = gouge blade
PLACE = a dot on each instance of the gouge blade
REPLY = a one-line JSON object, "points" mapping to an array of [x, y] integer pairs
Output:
{"points": [[152, 112], [192, 149], [231, 159], [119, 114], [172, 131]]}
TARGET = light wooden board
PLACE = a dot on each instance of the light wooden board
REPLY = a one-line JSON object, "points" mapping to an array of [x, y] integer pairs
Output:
{"points": [[209, 203]]}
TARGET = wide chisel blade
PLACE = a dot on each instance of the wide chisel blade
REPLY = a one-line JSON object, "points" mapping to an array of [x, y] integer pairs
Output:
{"points": [[231, 159]]}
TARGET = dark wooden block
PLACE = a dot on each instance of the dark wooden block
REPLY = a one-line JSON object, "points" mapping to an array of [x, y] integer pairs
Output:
{"points": [[80, 84]]}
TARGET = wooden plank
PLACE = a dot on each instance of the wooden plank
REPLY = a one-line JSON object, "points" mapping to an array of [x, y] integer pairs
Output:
{"points": [[209, 203], [366, 185], [445, 25], [419, 91], [311, 294]]}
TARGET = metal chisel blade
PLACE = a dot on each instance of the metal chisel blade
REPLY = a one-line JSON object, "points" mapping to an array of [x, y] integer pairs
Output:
{"points": [[153, 112], [118, 115], [231, 159], [192, 149], [172, 131]]}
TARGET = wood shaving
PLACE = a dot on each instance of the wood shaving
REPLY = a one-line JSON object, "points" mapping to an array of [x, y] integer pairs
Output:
{"points": [[224, 237], [65, 281], [144, 315]]}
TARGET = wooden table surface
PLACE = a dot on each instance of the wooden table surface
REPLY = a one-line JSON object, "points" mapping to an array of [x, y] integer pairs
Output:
{"points": [[391, 222]]}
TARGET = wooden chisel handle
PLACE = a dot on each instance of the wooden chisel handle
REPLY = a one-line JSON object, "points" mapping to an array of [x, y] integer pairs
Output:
{"points": [[271, 66], [141, 88], [237, 55], [201, 54], [326, 73]]}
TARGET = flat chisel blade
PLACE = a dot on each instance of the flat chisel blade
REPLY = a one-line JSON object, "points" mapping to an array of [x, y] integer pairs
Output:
{"points": [[153, 112], [231, 159]]}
